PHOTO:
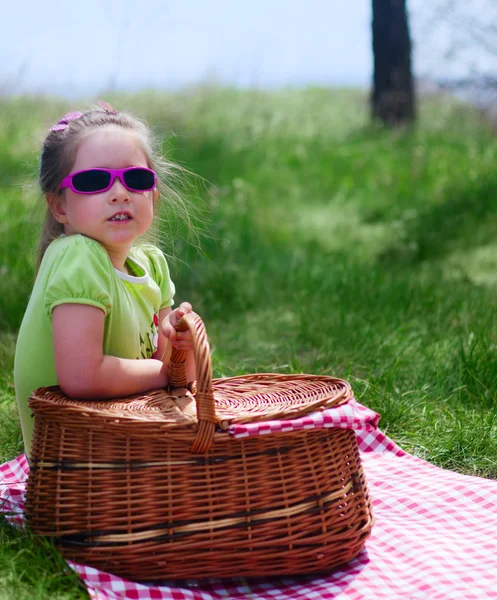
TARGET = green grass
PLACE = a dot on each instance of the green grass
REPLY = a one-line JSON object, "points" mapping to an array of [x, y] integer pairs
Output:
{"points": [[31, 568], [329, 246]]}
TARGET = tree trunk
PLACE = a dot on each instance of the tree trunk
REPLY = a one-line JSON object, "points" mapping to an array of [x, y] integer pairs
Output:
{"points": [[393, 99]]}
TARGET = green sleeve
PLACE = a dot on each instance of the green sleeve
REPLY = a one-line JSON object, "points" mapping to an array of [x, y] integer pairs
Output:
{"points": [[159, 271], [80, 275]]}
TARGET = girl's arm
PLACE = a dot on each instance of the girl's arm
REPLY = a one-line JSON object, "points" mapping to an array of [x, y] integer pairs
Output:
{"points": [[83, 371]]}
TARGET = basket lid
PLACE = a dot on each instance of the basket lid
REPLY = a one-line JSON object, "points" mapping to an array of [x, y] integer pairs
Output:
{"points": [[242, 399], [267, 396]]}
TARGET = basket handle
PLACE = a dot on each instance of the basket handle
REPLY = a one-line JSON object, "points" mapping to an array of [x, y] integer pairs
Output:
{"points": [[204, 395]]}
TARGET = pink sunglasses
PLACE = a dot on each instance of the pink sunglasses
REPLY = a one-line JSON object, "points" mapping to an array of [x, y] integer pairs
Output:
{"points": [[92, 181]]}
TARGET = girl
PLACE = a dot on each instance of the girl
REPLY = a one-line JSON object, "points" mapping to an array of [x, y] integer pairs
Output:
{"points": [[100, 302]]}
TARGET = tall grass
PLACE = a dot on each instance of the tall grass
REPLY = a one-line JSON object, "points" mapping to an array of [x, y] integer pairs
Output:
{"points": [[329, 246]]}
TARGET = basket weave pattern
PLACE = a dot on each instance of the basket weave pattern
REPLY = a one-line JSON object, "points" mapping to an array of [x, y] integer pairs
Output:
{"points": [[149, 489]]}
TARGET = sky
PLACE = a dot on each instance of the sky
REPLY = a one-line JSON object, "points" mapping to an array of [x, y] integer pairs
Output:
{"points": [[81, 48]]}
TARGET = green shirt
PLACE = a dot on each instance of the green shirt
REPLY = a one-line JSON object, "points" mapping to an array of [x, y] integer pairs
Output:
{"points": [[78, 270]]}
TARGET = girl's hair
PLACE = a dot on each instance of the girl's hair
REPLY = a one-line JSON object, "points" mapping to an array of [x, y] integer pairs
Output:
{"points": [[59, 153]]}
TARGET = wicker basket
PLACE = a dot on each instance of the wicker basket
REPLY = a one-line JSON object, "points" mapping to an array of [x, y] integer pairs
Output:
{"points": [[149, 489]]}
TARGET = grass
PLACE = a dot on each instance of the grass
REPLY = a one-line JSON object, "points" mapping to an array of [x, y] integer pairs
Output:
{"points": [[32, 568], [329, 246]]}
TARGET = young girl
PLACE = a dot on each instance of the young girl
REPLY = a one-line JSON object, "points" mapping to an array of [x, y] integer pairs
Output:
{"points": [[99, 317]]}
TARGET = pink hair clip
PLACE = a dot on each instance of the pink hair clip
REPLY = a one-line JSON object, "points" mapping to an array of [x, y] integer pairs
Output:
{"points": [[107, 107], [66, 119]]}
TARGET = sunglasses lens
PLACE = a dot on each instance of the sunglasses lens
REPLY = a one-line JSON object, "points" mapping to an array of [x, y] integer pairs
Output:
{"points": [[91, 181], [139, 179]]}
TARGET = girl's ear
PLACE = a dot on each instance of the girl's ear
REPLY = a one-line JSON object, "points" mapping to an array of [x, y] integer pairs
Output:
{"points": [[156, 194], [56, 204]]}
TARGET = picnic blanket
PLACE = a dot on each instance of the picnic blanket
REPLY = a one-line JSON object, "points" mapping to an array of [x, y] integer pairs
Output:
{"points": [[435, 535]]}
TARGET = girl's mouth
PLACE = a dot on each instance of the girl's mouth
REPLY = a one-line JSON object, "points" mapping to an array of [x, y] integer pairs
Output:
{"points": [[120, 217]]}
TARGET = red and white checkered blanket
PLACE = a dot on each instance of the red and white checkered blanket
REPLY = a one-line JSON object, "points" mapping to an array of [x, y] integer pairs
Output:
{"points": [[435, 535]]}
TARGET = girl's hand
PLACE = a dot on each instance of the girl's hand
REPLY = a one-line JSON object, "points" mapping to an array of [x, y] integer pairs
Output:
{"points": [[181, 340]]}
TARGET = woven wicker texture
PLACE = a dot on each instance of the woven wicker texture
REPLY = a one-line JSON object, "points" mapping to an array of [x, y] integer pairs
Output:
{"points": [[151, 487]]}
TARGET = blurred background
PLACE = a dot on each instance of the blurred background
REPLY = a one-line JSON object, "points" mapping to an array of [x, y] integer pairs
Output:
{"points": [[340, 177]]}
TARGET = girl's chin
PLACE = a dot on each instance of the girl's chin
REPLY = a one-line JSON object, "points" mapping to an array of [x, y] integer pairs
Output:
{"points": [[115, 235]]}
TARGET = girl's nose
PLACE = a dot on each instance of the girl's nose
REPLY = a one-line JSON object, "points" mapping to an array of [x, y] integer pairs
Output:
{"points": [[118, 193]]}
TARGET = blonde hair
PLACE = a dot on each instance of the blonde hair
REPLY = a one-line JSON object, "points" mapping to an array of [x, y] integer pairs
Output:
{"points": [[59, 153]]}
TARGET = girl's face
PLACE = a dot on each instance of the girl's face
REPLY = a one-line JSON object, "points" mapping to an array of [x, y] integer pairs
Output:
{"points": [[92, 214]]}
